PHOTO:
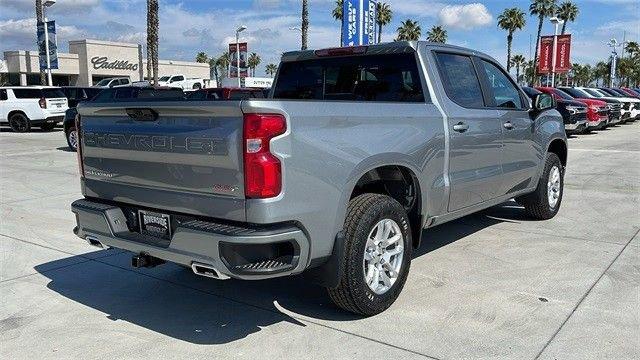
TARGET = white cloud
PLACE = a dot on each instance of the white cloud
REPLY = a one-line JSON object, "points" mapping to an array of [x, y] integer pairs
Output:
{"points": [[466, 17]]}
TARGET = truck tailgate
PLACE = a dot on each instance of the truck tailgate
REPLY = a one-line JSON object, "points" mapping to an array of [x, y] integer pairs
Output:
{"points": [[182, 156]]}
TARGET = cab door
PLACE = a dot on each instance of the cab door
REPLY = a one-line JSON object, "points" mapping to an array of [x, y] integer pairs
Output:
{"points": [[475, 133], [520, 157]]}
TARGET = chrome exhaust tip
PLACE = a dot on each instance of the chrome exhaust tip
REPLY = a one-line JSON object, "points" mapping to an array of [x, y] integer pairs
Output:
{"points": [[93, 241], [207, 271]]}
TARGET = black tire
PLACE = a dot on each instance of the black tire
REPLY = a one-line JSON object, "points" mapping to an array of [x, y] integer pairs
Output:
{"points": [[20, 123], [48, 127], [72, 146], [352, 293], [537, 204], [196, 86]]}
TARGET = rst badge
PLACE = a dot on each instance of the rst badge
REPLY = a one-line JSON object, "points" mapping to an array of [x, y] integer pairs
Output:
{"points": [[154, 224]]}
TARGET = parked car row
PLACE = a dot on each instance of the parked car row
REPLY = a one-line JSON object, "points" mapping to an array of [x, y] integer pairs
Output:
{"points": [[585, 109]]}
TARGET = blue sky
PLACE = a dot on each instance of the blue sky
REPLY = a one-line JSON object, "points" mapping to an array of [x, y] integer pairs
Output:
{"points": [[187, 27]]}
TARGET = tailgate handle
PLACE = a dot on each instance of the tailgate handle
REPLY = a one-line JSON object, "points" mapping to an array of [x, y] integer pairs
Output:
{"points": [[142, 114]]}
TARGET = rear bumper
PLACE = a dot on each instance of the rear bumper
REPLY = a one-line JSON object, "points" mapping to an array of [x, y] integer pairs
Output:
{"points": [[223, 247], [48, 120]]}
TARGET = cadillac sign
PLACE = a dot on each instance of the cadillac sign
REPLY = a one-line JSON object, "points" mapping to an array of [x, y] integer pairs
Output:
{"points": [[102, 62]]}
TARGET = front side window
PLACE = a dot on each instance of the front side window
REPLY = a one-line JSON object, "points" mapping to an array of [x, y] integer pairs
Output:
{"points": [[505, 93], [460, 79], [177, 78], [354, 78]]}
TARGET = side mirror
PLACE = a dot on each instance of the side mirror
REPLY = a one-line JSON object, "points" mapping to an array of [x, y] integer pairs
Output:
{"points": [[543, 102]]}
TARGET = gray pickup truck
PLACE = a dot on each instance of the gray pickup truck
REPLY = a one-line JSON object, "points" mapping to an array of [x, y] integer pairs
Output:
{"points": [[334, 176]]}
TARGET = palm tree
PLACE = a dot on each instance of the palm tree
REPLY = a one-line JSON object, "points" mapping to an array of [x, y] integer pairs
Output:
{"points": [[567, 11], [213, 68], [337, 14], [409, 30], [601, 71], [383, 17], [271, 69], [40, 18], [153, 24], [511, 19], [632, 48], [223, 64], [519, 62], [202, 57], [541, 9], [305, 23], [437, 34], [253, 61]]}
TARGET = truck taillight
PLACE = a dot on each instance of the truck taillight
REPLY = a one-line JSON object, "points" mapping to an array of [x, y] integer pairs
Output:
{"points": [[79, 145], [43, 103], [262, 170]]}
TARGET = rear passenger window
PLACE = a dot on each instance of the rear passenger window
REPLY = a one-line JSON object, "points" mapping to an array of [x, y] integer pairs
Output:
{"points": [[460, 79], [27, 93], [391, 77], [3, 94], [505, 93]]}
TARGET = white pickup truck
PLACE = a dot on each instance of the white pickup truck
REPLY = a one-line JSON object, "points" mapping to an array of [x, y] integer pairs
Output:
{"points": [[180, 81]]}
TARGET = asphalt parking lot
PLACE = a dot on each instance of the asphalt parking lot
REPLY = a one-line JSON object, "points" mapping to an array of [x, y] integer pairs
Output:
{"points": [[490, 285]]}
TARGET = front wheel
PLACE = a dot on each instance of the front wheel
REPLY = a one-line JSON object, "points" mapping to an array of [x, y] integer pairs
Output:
{"points": [[544, 202], [377, 255]]}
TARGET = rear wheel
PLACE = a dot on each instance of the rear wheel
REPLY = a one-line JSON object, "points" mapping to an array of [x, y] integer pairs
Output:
{"points": [[197, 86], [72, 138], [544, 202], [19, 123], [377, 255], [48, 126]]}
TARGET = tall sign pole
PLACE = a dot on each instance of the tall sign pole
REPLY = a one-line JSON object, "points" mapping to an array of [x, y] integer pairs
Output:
{"points": [[555, 21]]}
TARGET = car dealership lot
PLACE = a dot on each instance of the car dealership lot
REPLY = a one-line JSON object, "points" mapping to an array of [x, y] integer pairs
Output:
{"points": [[493, 284]]}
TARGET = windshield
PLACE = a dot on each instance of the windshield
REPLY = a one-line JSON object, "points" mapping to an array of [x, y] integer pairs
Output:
{"points": [[593, 93], [563, 95], [103, 82], [576, 93], [164, 78]]}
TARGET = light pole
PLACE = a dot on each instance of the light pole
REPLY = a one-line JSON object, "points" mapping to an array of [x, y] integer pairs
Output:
{"points": [[555, 21], [238, 31], [45, 5], [613, 44]]}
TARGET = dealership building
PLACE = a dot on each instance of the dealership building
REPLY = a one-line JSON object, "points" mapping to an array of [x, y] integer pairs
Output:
{"points": [[90, 61]]}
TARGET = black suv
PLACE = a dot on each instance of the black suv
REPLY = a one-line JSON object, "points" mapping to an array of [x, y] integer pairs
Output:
{"points": [[574, 113]]}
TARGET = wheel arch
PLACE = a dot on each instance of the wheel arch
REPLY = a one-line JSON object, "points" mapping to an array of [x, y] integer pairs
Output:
{"points": [[559, 147]]}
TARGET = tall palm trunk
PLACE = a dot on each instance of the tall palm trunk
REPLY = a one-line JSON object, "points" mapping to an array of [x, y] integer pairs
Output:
{"points": [[379, 33], [40, 18], [535, 55], [153, 34], [518, 73], [305, 23], [149, 43], [509, 41], [564, 26]]}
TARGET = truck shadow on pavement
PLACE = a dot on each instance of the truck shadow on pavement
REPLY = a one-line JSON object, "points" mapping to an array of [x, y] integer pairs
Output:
{"points": [[172, 301]]}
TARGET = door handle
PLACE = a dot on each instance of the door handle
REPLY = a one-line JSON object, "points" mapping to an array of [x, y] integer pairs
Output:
{"points": [[508, 125], [460, 127]]}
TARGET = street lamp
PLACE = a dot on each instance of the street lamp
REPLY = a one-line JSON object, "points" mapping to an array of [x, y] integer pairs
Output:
{"points": [[613, 44], [46, 4], [555, 21], [238, 31]]}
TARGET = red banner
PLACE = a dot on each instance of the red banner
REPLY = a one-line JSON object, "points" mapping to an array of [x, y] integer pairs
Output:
{"points": [[233, 66], [563, 54], [544, 62]]}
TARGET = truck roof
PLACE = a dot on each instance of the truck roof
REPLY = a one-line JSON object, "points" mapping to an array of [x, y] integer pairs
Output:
{"points": [[383, 48]]}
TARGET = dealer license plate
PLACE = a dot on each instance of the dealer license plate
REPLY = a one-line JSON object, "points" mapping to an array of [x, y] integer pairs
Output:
{"points": [[155, 224]]}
